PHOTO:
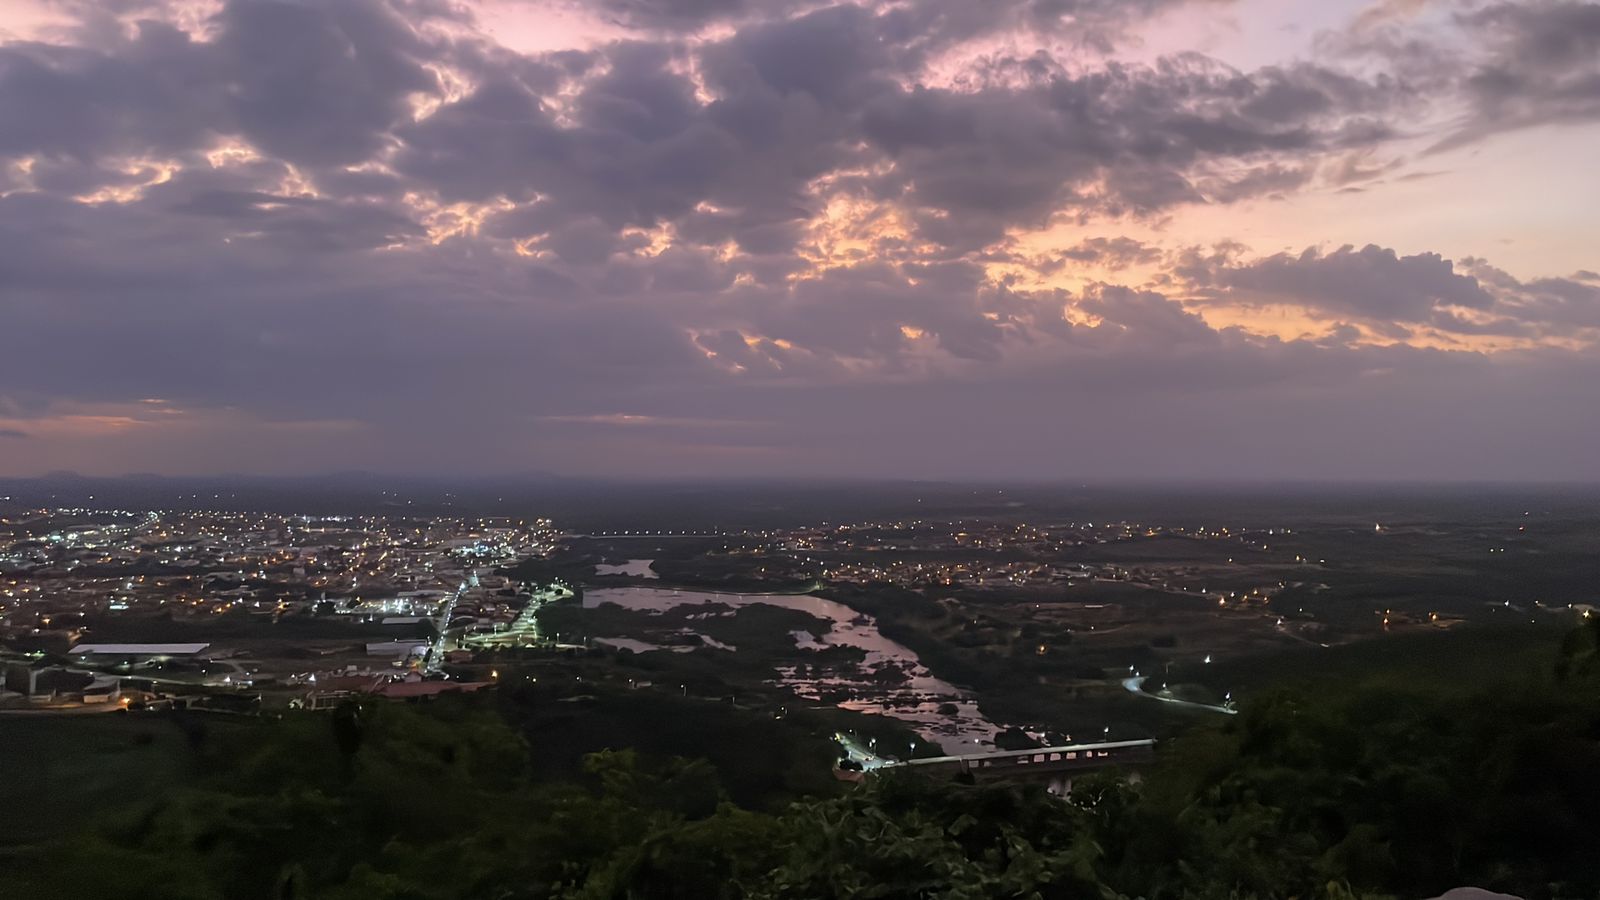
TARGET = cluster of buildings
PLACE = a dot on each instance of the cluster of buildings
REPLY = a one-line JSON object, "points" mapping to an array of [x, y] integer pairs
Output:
{"points": [[219, 600], [974, 554]]}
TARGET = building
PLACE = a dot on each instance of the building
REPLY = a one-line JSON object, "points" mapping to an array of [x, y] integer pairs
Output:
{"points": [[46, 682], [397, 649], [101, 653]]}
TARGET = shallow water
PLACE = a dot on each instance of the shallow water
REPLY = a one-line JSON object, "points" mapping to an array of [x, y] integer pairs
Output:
{"points": [[915, 699], [636, 567], [637, 646]]}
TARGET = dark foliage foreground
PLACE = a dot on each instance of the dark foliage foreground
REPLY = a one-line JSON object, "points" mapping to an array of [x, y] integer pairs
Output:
{"points": [[1360, 792]]}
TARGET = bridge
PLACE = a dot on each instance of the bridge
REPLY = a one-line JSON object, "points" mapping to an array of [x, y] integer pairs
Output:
{"points": [[1053, 765], [657, 533]]}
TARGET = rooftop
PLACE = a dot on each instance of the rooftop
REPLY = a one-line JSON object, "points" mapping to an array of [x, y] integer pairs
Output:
{"points": [[139, 649]]}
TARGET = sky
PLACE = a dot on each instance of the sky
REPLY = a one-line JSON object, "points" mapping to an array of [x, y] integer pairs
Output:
{"points": [[934, 239]]}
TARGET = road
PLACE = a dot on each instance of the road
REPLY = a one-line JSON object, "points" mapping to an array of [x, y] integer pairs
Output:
{"points": [[1136, 685], [79, 710], [861, 754], [524, 629], [435, 657]]}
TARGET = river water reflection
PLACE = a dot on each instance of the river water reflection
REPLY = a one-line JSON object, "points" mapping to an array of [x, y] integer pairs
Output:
{"points": [[637, 567], [933, 707]]}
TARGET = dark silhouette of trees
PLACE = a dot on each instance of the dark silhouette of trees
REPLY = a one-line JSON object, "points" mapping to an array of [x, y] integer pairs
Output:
{"points": [[1369, 791]]}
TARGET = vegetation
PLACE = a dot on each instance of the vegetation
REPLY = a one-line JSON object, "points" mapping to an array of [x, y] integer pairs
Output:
{"points": [[1386, 789]]}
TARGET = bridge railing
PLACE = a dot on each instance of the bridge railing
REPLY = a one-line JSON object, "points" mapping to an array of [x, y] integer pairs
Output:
{"points": [[1070, 756]]}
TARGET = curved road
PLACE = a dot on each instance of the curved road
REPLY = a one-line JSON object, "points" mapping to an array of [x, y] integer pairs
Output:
{"points": [[1136, 685]]}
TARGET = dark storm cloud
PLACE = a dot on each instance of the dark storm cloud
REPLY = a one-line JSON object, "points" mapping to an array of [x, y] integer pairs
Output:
{"points": [[1373, 283], [1554, 305], [317, 84], [835, 55], [755, 230], [445, 333], [1542, 66], [309, 84], [1125, 140], [322, 86], [1147, 316], [1507, 66], [498, 140], [926, 25], [1395, 294], [332, 212], [931, 26], [1113, 253], [175, 308], [1270, 180], [860, 311], [264, 326], [796, 99], [156, 93], [676, 15], [639, 149], [302, 224], [72, 177]]}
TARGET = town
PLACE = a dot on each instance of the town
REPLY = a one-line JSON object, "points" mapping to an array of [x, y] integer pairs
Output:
{"points": [[91, 600], [962, 629]]}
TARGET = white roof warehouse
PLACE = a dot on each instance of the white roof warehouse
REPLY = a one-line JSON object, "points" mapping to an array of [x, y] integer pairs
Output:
{"points": [[138, 649]]}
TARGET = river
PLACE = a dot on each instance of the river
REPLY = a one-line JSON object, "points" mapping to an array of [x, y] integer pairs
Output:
{"points": [[915, 699]]}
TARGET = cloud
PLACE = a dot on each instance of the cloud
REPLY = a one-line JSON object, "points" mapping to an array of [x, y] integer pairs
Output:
{"points": [[1384, 12], [355, 232], [926, 25], [1399, 295], [1111, 253], [686, 15], [640, 420], [351, 97], [1533, 64], [310, 84], [1567, 307], [1373, 283]]}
